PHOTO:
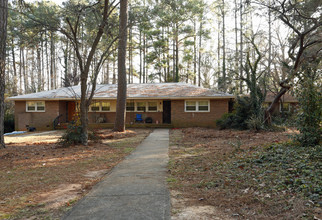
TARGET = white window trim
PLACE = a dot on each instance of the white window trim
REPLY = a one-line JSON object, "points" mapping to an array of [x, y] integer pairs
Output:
{"points": [[146, 107], [36, 107], [197, 105], [100, 107]]}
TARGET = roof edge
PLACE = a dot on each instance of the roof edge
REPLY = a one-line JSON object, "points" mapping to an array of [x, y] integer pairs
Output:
{"points": [[102, 98]]}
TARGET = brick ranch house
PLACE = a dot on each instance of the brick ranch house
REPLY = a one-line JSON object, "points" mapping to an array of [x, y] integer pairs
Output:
{"points": [[166, 104], [287, 104]]}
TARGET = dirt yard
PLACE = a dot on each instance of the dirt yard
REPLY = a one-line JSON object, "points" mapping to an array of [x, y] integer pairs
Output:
{"points": [[207, 181], [39, 179]]}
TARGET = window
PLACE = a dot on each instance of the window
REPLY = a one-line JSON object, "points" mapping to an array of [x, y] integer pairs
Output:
{"points": [[106, 106], [152, 106], [140, 106], [197, 106], [95, 106], [35, 106], [191, 106], [130, 106], [285, 107], [203, 106], [266, 104]]}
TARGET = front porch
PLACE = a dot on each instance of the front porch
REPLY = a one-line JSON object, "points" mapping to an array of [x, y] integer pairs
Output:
{"points": [[111, 125]]}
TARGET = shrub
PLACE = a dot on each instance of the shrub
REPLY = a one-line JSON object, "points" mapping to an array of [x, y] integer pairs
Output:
{"points": [[73, 135], [310, 113], [255, 122], [239, 117], [9, 123]]}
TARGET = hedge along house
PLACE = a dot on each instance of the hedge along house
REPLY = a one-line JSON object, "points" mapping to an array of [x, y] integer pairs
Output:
{"points": [[172, 104]]}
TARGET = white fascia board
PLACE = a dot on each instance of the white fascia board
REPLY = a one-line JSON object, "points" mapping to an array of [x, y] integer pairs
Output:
{"points": [[129, 98]]}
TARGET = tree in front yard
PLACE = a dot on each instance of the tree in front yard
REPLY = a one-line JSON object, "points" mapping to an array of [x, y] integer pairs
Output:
{"points": [[3, 38], [121, 91]]}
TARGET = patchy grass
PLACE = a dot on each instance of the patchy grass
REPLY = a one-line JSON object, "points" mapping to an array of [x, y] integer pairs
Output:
{"points": [[43, 180], [244, 175]]}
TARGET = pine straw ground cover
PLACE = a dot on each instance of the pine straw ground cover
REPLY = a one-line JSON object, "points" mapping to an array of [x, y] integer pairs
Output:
{"points": [[42, 180], [243, 175]]}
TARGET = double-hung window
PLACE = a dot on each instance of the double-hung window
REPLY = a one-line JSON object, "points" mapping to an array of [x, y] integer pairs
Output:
{"points": [[152, 106], [130, 106], [106, 106], [95, 106], [197, 106], [100, 106], [140, 106], [35, 106]]}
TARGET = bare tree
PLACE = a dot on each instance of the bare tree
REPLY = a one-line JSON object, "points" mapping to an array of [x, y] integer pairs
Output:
{"points": [[305, 22], [121, 92]]}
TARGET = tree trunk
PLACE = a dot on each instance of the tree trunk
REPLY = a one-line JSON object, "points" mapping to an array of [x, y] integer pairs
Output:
{"points": [[107, 76], [25, 76], [224, 87], [33, 70], [236, 44], [20, 71], [199, 54], [241, 47], [15, 79], [177, 53], [3, 38], [114, 71], [144, 60], [39, 80], [140, 48], [52, 50], [121, 92], [194, 53]]}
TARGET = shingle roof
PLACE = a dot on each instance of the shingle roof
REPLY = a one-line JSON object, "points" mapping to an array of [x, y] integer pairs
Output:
{"points": [[134, 91], [287, 97]]}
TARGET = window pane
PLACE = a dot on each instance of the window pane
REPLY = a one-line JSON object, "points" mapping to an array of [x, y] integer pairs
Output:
{"points": [[106, 106], [95, 106], [31, 106], [130, 106], [140, 106], [40, 106], [203, 106], [190, 103], [190, 106], [203, 103], [152, 106]]}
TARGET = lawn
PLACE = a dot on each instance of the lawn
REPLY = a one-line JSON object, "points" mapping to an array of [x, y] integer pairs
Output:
{"points": [[232, 174], [42, 180]]}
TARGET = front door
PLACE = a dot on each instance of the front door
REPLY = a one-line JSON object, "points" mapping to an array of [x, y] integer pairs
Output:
{"points": [[166, 112], [71, 111]]}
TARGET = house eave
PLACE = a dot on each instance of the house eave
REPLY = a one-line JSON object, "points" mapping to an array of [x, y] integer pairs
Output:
{"points": [[128, 98]]}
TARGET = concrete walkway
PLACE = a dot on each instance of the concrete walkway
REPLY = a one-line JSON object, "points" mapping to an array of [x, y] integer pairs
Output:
{"points": [[135, 189]]}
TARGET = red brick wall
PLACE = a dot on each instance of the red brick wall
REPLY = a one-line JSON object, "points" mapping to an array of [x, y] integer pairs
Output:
{"points": [[180, 118], [39, 120]]}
